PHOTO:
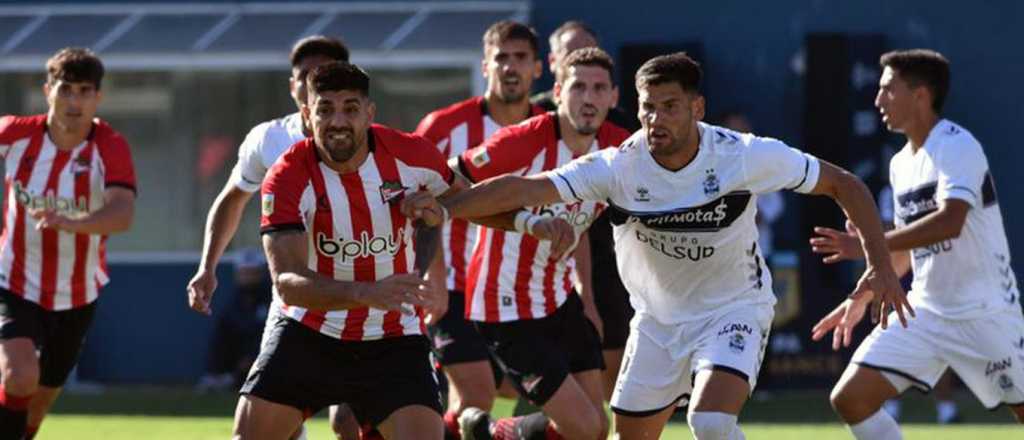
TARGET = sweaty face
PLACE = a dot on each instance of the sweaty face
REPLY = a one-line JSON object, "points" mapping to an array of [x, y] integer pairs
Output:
{"points": [[72, 104], [669, 116], [510, 68], [340, 120], [585, 95], [298, 80], [895, 100]]}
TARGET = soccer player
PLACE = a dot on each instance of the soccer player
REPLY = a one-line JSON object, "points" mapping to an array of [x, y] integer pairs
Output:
{"points": [[610, 295], [510, 64], [949, 230], [519, 296], [682, 195], [260, 149], [70, 184], [352, 310]]}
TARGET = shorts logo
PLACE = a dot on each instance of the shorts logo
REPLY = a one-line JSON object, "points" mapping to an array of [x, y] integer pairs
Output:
{"points": [[733, 327], [711, 186], [737, 343], [530, 382], [480, 158], [997, 366], [1005, 382], [442, 341], [268, 205], [391, 192]]}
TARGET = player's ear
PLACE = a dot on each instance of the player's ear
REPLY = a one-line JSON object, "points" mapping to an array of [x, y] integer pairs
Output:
{"points": [[556, 92], [697, 107], [371, 111], [538, 68], [615, 97]]}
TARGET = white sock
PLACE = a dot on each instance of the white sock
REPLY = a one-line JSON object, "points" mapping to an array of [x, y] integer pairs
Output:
{"points": [[880, 426], [946, 410], [894, 407], [713, 426]]}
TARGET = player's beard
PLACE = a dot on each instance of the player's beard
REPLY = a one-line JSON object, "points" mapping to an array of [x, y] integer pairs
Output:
{"points": [[582, 126], [343, 148], [518, 95]]}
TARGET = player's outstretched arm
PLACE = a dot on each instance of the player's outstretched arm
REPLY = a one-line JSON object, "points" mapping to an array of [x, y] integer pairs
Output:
{"points": [[287, 254], [221, 225], [856, 201], [115, 216], [502, 194]]}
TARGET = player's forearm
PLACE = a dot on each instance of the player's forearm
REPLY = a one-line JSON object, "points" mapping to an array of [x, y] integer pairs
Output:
{"points": [[305, 288], [504, 221], [584, 268], [221, 224], [115, 216], [492, 196], [930, 229], [856, 201], [900, 262]]}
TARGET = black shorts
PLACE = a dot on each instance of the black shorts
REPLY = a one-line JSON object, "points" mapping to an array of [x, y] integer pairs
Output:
{"points": [[538, 354], [455, 339], [610, 296], [58, 335], [307, 370]]}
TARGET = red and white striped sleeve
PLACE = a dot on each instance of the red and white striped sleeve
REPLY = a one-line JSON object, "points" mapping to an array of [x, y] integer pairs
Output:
{"points": [[282, 192], [509, 150]]}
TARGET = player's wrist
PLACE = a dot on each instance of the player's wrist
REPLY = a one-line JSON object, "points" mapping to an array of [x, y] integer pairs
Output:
{"points": [[525, 222]]}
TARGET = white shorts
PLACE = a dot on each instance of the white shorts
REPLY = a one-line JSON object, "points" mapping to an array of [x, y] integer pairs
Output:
{"points": [[987, 353], [661, 361]]}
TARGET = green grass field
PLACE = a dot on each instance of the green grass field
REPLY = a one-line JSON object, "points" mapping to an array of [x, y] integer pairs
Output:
{"points": [[166, 414]]}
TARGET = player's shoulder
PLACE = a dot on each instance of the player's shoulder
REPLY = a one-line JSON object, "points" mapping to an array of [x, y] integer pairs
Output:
{"points": [[533, 131], [14, 126], [446, 118], [298, 158], [611, 135], [409, 148], [274, 129], [951, 138]]}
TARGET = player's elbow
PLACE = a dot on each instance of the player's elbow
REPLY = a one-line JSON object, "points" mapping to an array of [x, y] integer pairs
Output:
{"points": [[287, 289]]}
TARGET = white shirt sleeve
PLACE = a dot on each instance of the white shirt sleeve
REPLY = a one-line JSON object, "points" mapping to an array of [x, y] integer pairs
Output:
{"points": [[961, 166], [772, 165], [588, 178], [249, 171]]}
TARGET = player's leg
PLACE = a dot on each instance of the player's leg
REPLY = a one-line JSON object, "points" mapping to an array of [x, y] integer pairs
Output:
{"points": [[413, 422], [397, 392], [612, 361], [19, 379], [718, 396], [613, 305], [258, 418], [38, 407], [343, 422], [946, 410], [1018, 412], [985, 354]]}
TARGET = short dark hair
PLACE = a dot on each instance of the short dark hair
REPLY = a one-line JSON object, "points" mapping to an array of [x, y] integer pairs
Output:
{"points": [[75, 64], [338, 76], [586, 56], [320, 45], [571, 25], [921, 67], [511, 30], [675, 67]]}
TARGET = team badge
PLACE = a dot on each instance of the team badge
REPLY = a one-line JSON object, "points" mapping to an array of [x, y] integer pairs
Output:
{"points": [[268, 204], [710, 183], [1005, 382], [80, 166], [737, 343], [391, 192]]}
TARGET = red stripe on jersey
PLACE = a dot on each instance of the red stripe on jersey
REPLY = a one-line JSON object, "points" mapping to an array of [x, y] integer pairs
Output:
{"points": [[323, 225], [550, 163], [22, 176], [524, 271], [388, 169], [359, 210], [78, 272], [50, 237], [494, 270]]}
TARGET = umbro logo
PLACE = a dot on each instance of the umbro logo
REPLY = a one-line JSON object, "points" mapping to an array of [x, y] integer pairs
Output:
{"points": [[642, 194]]}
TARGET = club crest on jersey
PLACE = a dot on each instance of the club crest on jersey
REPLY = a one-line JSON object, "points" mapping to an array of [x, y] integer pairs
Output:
{"points": [[642, 194], [711, 186], [391, 192], [480, 158], [80, 166], [267, 205]]}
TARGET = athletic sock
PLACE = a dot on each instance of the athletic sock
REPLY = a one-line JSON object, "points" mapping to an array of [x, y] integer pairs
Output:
{"points": [[535, 426], [13, 415], [451, 426], [880, 426]]}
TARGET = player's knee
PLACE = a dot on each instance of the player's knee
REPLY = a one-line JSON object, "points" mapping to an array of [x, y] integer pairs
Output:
{"points": [[344, 423], [849, 404], [20, 378], [711, 425], [589, 424]]}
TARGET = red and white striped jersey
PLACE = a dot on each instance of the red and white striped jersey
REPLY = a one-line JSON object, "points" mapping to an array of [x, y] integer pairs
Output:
{"points": [[455, 129], [57, 270], [354, 227], [511, 275]]}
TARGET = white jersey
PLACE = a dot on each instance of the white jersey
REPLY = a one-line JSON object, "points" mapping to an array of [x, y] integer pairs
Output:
{"points": [[261, 148], [685, 241], [969, 276]]}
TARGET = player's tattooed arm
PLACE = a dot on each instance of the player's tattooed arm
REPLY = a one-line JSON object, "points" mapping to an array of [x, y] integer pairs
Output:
{"points": [[855, 199], [287, 255]]}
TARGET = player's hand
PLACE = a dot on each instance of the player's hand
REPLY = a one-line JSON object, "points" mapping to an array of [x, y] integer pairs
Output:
{"points": [[885, 285], [558, 231], [843, 320], [590, 311], [838, 244], [200, 291], [49, 219], [437, 304], [421, 205], [396, 292]]}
